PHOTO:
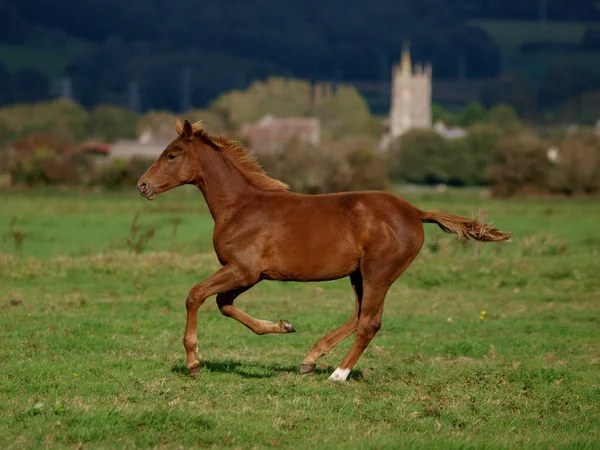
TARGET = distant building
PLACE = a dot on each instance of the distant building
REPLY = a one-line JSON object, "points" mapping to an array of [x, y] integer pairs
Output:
{"points": [[144, 149], [271, 133], [411, 98], [448, 132], [150, 143]]}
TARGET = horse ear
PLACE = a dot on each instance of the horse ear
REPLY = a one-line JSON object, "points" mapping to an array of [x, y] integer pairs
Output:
{"points": [[178, 126], [188, 132]]}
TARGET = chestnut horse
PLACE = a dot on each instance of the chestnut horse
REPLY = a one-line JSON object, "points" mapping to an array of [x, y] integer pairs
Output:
{"points": [[264, 232]]}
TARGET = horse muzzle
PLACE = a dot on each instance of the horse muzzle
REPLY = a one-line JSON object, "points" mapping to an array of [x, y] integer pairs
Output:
{"points": [[146, 190]]}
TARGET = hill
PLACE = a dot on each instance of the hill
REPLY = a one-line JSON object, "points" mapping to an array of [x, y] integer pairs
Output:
{"points": [[151, 54]]}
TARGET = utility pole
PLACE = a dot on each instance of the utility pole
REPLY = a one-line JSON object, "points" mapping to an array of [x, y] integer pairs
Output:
{"points": [[134, 97], [66, 90]]}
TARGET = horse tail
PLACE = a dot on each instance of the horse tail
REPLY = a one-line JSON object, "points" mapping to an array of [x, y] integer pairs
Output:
{"points": [[465, 228]]}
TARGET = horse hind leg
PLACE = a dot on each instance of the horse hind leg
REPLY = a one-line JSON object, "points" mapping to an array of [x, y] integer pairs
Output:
{"points": [[327, 342], [369, 323], [258, 326], [376, 286]]}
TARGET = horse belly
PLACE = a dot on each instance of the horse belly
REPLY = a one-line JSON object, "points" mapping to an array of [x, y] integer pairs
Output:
{"points": [[313, 259]]}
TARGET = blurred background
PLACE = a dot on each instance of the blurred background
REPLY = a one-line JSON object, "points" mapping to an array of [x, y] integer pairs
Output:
{"points": [[330, 95]]}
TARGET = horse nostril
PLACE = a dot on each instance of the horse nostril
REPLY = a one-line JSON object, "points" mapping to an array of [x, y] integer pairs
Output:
{"points": [[142, 187]]}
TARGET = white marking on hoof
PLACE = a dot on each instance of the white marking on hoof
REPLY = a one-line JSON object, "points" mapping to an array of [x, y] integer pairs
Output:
{"points": [[339, 374]]}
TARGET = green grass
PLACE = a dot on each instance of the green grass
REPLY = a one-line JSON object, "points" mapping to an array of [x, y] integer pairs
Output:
{"points": [[91, 335]]}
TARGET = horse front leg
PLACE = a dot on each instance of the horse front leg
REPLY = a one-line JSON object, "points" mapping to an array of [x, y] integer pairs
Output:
{"points": [[229, 277], [258, 326]]}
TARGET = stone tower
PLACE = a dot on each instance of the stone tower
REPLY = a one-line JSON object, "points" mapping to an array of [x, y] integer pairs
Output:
{"points": [[411, 96]]}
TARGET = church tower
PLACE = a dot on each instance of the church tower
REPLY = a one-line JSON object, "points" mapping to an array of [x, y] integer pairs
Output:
{"points": [[411, 96]]}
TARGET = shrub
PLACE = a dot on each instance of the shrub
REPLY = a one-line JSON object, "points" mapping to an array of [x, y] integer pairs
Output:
{"points": [[420, 156], [160, 123], [34, 141], [474, 154], [7, 135], [307, 168], [43, 166], [347, 165], [577, 169], [109, 123], [64, 120], [519, 165], [119, 173], [368, 169]]}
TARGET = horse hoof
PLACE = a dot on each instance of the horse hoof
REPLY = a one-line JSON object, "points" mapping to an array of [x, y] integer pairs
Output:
{"points": [[306, 368], [193, 371], [286, 326]]}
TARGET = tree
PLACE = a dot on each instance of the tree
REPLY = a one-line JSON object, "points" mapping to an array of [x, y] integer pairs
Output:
{"points": [[577, 165], [439, 113], [346, 112], [476, 151], [109, 123], [342, 110], [519, 165], [368, 168], [160, 123], [420, 156], [473, 113], [504, 116], [64, 120], [277, 96]]}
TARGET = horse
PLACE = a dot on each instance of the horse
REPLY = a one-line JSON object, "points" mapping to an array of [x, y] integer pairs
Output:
{"points": [[262, 231]]}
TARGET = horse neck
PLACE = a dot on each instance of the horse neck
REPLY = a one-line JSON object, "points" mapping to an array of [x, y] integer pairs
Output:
{"points": [[222, 185]]}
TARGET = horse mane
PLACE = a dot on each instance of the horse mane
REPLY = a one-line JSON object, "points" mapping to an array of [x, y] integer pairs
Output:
{"points": [[241, 158]]}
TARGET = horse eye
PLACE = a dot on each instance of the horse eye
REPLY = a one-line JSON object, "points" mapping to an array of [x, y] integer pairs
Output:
{"points": [[171, 157]]}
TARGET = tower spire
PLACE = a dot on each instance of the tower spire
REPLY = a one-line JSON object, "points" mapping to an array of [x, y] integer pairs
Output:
{"points": [[405, 62]]}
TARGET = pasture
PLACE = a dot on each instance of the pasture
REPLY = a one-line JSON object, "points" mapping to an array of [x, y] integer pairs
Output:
{"points": [[481, 347]]}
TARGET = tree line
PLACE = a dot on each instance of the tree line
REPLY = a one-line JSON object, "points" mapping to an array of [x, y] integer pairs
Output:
{"points": [[498, 149]]}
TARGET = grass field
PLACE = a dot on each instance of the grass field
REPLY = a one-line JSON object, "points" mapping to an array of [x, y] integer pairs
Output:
{"points": [[498, 349]]}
